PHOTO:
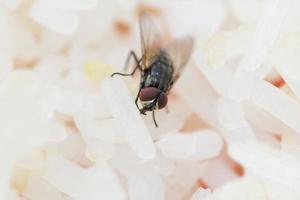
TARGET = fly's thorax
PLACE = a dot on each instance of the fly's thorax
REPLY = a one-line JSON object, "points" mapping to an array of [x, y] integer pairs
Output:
{"points": [[153, 55]]}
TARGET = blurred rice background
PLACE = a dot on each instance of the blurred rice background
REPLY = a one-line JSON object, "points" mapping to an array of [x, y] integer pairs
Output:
{"points": [[68, 131]]}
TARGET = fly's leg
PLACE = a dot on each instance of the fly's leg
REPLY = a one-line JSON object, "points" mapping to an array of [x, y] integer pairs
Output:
{"points": [[131, 54], [130, 74], [136, 99], [154, 120], [153, 114]]}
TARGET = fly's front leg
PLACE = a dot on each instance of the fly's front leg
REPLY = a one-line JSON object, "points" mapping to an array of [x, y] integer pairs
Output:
{"points": [[137, 98], [154, 120], [131, 54]]}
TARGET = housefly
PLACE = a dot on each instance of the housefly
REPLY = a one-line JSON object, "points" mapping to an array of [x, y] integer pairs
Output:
{"points": [[160, 65]]}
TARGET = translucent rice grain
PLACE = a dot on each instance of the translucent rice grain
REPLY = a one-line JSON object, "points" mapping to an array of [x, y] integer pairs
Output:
{"points": [[72, 4], [11, 4], [257, 157], [246, 188], [168, 121], [10, 151], [261, 118], [102, 129], [68, 102], [94, 106], [37, 131], [230, 114], [11, 195], [266, 33], [28, 119], [38, 188], [178, 146], [6, 161], [232, 120], [24, 45], [184, 179], [236, 42], [51, 68], [74, 148], [17, 40], [128, 164], [77, 103], [241, 85], [66, 176], [98, 150], [247, 11], [217, 172], [284, 56], [201, 194], [127, 118], [6, 65], [213, 11], [101, 182], [280, 192], [286, 60], [197, 146], [162, 165], [97, 182], [290, 144], [125, 160], [146, 186], [55, 19], [293, 83], [277, 103], [76, 81], [34, 161], [218, 78], [209, 144], [52, 44], [203, 100]]}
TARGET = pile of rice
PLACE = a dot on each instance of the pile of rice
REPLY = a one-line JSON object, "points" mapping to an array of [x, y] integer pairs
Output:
{"points": [[70, 132]]}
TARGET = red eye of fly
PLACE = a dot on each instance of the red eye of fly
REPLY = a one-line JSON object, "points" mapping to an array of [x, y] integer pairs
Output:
{"points": [[150, 93]]}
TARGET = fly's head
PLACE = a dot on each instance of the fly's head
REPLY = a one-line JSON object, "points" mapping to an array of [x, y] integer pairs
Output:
{"points": [[152, 99]]}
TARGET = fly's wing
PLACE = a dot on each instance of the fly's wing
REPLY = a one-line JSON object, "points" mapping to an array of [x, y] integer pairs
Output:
{"points": [[180, 52], [151, 36]]}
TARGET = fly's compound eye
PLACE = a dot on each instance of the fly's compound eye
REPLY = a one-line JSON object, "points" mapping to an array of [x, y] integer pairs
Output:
{"points": [[150, 93]]}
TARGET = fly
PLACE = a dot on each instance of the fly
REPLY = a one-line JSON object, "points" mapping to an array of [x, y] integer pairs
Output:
{"points": [[160, 65]]}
